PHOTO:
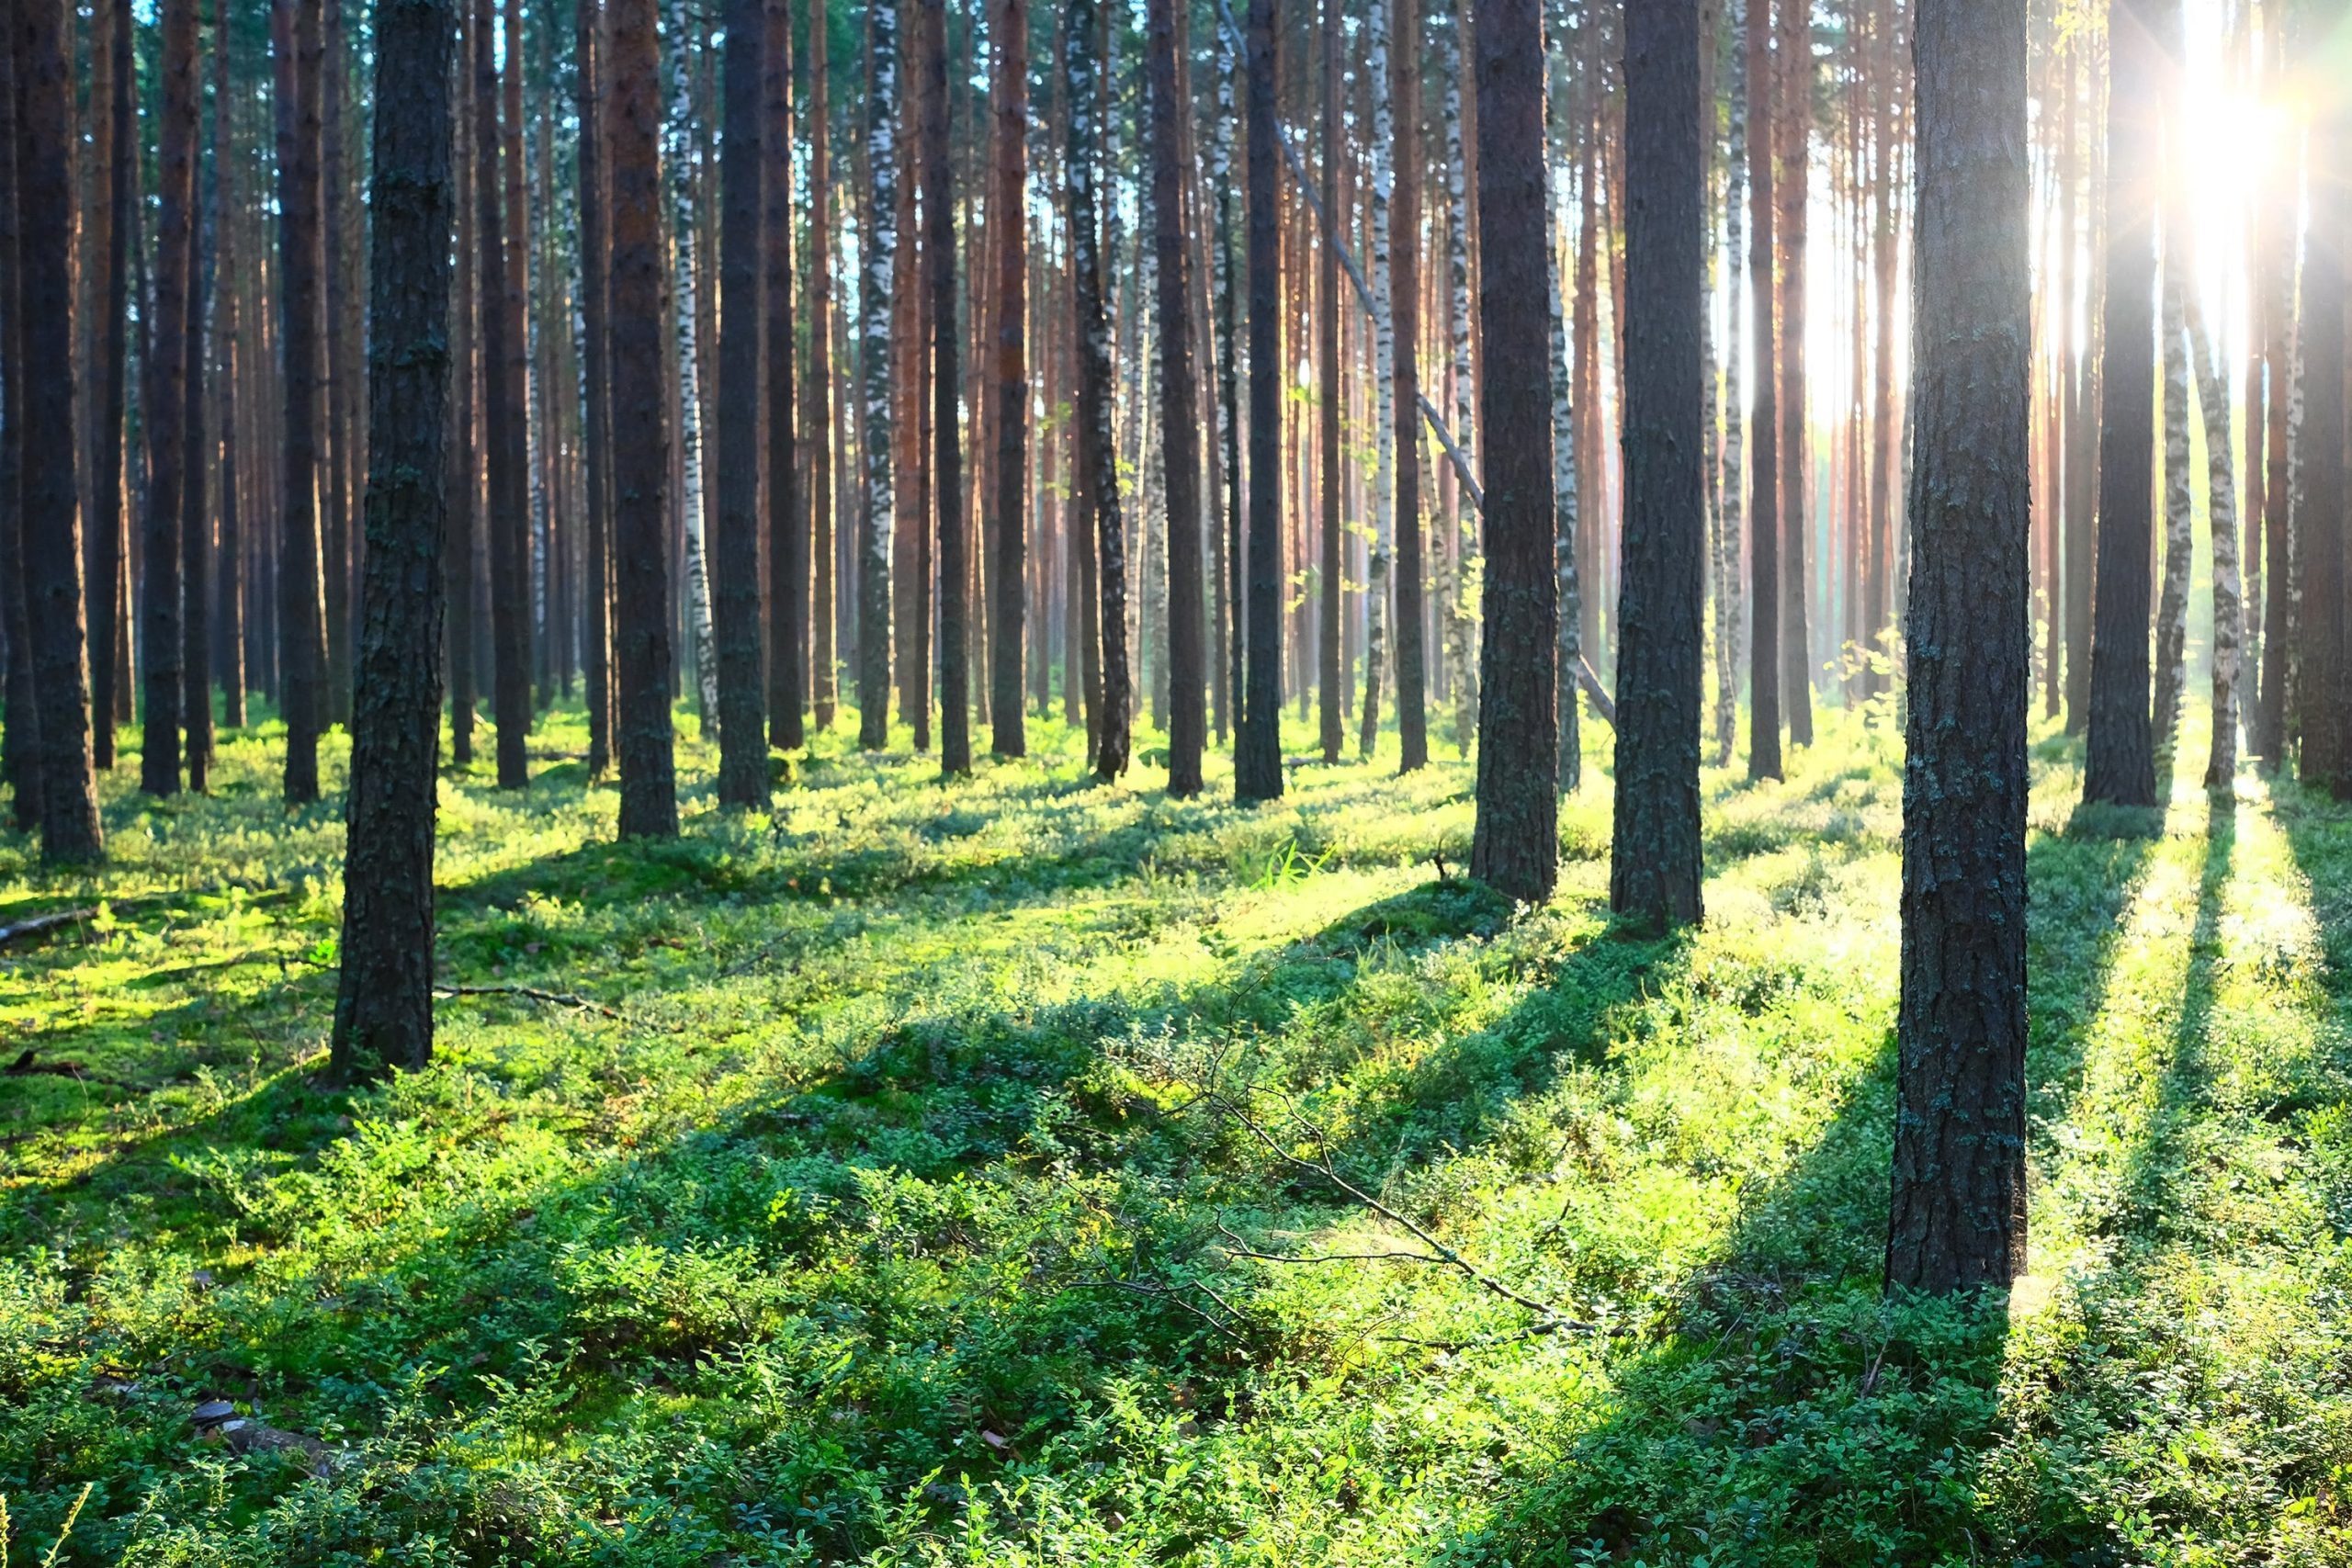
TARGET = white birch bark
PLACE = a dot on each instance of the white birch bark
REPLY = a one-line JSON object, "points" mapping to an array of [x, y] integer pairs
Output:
{"points": [[2221, 503], [1383, 341], [1730, 627], [876, 508], [2172, 599], [680, 155]]}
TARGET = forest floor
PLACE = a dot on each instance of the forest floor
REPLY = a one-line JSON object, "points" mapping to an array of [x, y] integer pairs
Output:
{"points": [[878, 1182]]}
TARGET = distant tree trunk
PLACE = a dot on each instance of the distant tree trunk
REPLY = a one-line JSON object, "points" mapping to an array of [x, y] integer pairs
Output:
{"points": [[787, 518], [165, 409], [2172, 597], [1097, 474], [946, 385], [383, 1015], [1568, 645], [1404, 387], [1793, 124], [1736, 357], [1654, 868], [116, 156], [2276, 264], [2119, 763], [21, 749], [1009, 101], [1383, 355], [742, 721], [1327, 620], [465, 515], [1886, 441], [2220, 486], [1228, 355], [1763, 419], [1258, 741], [1179, 409], [335, 393], [301, 654], [1959, 1211], [1456, 616], [196, 517], [679, 160], [596, 238], [639, 314], [878, 254], [525, 504], [2321, 691], [823, 680], [509, 674]]}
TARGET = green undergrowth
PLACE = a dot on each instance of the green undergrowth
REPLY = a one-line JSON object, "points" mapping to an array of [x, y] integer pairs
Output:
{"points": [[878, 1180]]}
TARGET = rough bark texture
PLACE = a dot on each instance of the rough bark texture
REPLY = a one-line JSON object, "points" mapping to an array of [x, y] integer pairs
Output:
{"points": [[1008, 247], [1258, 742], [115, 155], [383, 1013], [1793, 125], [464, 487], [196, 517], [1957, 1215], [2120, 764], [1328, 699], [639, 313], [1405, 389], [946, 385], [1653, 869], [816, 391], [2321, 691], [595, 631], [166, 405], [510, 672], [877, 510], [1097, 474], [1515, 845], [301, 652], [742, 720], [1179, 413], [1763, 418], [1383, 359], [1729, 597], [50, 506], [20, 756], [787, 513], [1568, 646]]}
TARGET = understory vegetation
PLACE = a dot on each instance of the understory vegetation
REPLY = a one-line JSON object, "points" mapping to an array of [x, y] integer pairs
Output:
{"points": [[1019, 1170]]}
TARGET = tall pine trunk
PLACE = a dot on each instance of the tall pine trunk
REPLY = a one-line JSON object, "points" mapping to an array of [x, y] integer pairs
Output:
{"points": [[1764, 674], [302, 651], [1257, 743], [947, 392], [1008, 572], [589, 50], [639, 312], [877, 349], [787, 519], [1180, 404], [743, 719], [167, 404], [384, 991], [1404, 387], [1655, 869]]}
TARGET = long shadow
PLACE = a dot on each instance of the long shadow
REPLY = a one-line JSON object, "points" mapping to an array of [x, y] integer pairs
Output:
{"points": [[1782, 1409]]}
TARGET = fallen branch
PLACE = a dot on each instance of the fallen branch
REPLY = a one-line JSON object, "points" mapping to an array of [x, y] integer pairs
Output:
{"points": [[37, 924], [531, 993], [1602, 703], [26, 1065], [1550, 1318], [1162, 1292]]}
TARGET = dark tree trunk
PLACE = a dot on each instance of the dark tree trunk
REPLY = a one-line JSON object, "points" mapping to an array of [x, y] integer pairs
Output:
{"points": [[196, 517], [20, 753], [787, 515], [167, 401], [1763, 419], [114, 136], [1329, 698], [335, 394], [735, 598], [1257, 741], [1795, 127], [639, 314], [946, 382], [817, 402], [1404, 390], [1008, 575], [1097, 501], [2323, 689], [2120, 762], [383, 1015], [50, 506], [510, 675], [877, 350], [597, 438], [2082, 446], [1179, 417], [1655, 864], [464, 482], [301, 654], [1958, 1212]]}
